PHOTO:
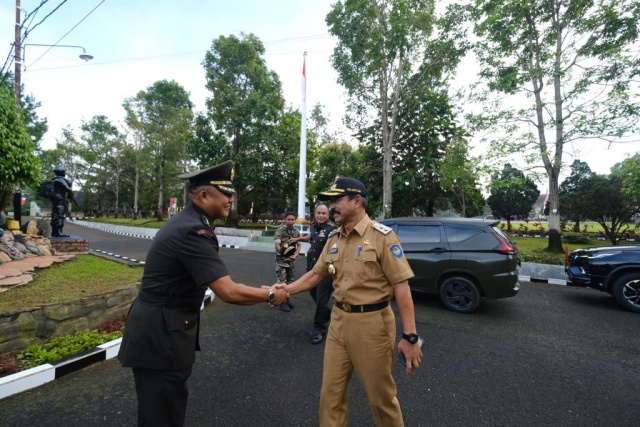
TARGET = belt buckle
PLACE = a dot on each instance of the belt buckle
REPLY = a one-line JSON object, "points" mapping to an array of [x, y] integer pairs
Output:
{"points": [[346, 307]]}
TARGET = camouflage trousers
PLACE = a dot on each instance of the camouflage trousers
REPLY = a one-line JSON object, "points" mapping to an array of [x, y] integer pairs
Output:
{"points": [[285, 274]]}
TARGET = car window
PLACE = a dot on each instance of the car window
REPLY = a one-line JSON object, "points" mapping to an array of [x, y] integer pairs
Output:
{"points": [[460, 233], [419, 233]]}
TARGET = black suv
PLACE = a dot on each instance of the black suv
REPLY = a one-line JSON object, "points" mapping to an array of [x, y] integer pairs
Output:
{"points": [[615, 269], [459, 259]]}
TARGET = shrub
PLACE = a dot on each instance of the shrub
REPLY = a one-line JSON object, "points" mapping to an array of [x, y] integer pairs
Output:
{"points": [[65, 346], [576, 238], [9, 364]]}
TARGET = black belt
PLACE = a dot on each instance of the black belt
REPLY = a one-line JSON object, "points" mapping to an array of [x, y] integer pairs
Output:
{"points": [[345, 306]]}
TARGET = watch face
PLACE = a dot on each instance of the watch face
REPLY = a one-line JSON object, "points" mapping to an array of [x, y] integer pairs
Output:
{"points": [[412, 338]]}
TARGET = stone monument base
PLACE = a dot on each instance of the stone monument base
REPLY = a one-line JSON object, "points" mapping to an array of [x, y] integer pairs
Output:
{"points": [[69, 244]]}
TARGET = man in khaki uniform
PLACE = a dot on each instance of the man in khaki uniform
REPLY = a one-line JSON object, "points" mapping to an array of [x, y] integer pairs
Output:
{"points": [[368, 268]]}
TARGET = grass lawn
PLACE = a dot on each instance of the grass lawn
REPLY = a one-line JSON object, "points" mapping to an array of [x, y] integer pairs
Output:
{"points": [[533, 249], [591, 227], [87, 275]]}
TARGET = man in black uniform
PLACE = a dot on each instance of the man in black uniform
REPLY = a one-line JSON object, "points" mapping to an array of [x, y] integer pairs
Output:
{"points": [[318, 233], [161, 333]]}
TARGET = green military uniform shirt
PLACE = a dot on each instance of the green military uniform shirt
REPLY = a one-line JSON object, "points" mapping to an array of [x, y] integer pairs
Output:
{"points": [[283, 235]]}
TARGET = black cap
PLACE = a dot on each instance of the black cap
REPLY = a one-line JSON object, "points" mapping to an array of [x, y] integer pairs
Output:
{"points": [[219, 176], [344, 186]]}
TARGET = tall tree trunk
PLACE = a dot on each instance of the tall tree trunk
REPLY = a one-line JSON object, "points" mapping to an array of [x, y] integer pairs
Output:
{"points": [[555, 240], [117, 194], [387, 196], [160, 190], [135, 194]]}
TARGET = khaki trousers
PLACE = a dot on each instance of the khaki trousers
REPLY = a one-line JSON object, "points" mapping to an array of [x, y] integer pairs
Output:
{"points": [[364, 342]]}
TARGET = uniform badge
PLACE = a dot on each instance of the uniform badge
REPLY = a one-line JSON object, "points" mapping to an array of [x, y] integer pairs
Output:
{"points": [[334, 249], [332, 269], [205, 220], [367, 242], [396, 250]]}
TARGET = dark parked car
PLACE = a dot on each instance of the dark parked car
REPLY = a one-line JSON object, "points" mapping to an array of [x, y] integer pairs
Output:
{"points": [[459, 259], [614, 269]]}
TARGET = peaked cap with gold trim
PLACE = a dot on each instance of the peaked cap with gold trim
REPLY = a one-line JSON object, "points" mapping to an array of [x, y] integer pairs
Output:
{"points": [[219, 176], [342, 187]]}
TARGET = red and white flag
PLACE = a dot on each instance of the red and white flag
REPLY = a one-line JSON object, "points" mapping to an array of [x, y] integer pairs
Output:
{"points": [[304, 80], [302, 178]]}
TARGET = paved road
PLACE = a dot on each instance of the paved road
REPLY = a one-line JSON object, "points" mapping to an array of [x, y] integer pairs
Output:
{"points": [[550, 356], [131, 247]]}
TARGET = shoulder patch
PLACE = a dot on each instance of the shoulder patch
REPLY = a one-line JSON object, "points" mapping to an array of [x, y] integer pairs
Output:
{"points": [[381, 228], [205, 232], [332, 233]]}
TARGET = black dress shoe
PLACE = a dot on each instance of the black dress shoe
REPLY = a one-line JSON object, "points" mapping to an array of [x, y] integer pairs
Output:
{"points": [[317, 338], [284, 307]]}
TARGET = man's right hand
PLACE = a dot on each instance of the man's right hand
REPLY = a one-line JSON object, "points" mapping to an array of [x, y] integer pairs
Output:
{"points": [[280, 295]]}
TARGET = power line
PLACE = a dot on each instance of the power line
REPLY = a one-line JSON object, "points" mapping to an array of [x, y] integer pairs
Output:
{"points": [[67, 33], [33, 14], [146, 58]]}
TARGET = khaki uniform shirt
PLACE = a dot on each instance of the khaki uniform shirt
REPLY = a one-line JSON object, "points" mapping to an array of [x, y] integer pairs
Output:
{"points": [[366, 264]]}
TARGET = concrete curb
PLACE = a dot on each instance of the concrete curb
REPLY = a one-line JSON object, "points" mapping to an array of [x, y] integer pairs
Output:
{"points": [[227, 237], [35, 377]]}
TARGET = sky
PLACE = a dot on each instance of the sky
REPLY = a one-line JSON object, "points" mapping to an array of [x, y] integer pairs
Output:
{"points": [[135, 43]]}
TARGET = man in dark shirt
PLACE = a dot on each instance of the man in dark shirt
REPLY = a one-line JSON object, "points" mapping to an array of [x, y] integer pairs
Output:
{"points": [[161, 333], [318, 233]]}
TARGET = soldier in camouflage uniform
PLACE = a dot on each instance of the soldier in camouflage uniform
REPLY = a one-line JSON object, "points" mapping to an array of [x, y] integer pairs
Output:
{"points": [[285, 256]]}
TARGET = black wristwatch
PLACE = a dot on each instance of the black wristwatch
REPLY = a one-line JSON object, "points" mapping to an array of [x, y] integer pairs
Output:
{"points": [[271, 296], [412, 338]]}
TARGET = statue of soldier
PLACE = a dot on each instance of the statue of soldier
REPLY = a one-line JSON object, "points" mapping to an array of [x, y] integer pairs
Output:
{"points": [[61, 188]]}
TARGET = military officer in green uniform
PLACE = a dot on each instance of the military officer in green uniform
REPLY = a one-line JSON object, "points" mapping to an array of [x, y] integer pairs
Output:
{"points": [[286, 253], [161, 333], [369, 268]]}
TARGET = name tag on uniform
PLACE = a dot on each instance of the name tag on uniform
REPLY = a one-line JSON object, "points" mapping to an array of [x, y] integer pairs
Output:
{"points": [[334, 249]]}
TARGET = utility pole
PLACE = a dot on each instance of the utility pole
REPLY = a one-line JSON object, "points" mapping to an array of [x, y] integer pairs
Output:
{"points": [[18, 56], [17, 195]]}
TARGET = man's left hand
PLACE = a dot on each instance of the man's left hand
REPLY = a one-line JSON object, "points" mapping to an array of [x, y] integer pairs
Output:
{"points": [[412, 353]]}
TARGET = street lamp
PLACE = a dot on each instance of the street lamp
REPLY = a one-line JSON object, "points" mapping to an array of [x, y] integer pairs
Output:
{"points": [[17, 197], [84, 55]]}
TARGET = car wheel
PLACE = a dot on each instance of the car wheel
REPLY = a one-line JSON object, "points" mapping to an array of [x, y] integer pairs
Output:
{"points": [[626, 291], [460, 294]]}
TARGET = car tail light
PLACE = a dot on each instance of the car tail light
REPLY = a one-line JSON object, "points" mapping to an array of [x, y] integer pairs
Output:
{"points": [[504, 247]]}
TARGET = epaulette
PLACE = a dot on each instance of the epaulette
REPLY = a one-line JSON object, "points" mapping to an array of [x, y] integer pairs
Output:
{"points": [[380, 227], [206, 232], [332, 233]]}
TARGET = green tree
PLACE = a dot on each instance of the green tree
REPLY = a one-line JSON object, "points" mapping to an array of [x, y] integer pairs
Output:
{"points": [[573, 192], [459, 176], [629, 172], [18, 163], [246, 103], [378, 43], [607, 204], [575, 61], [36, 126], [164, 114], [319, 122], [512, 194], [101, 145]]}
